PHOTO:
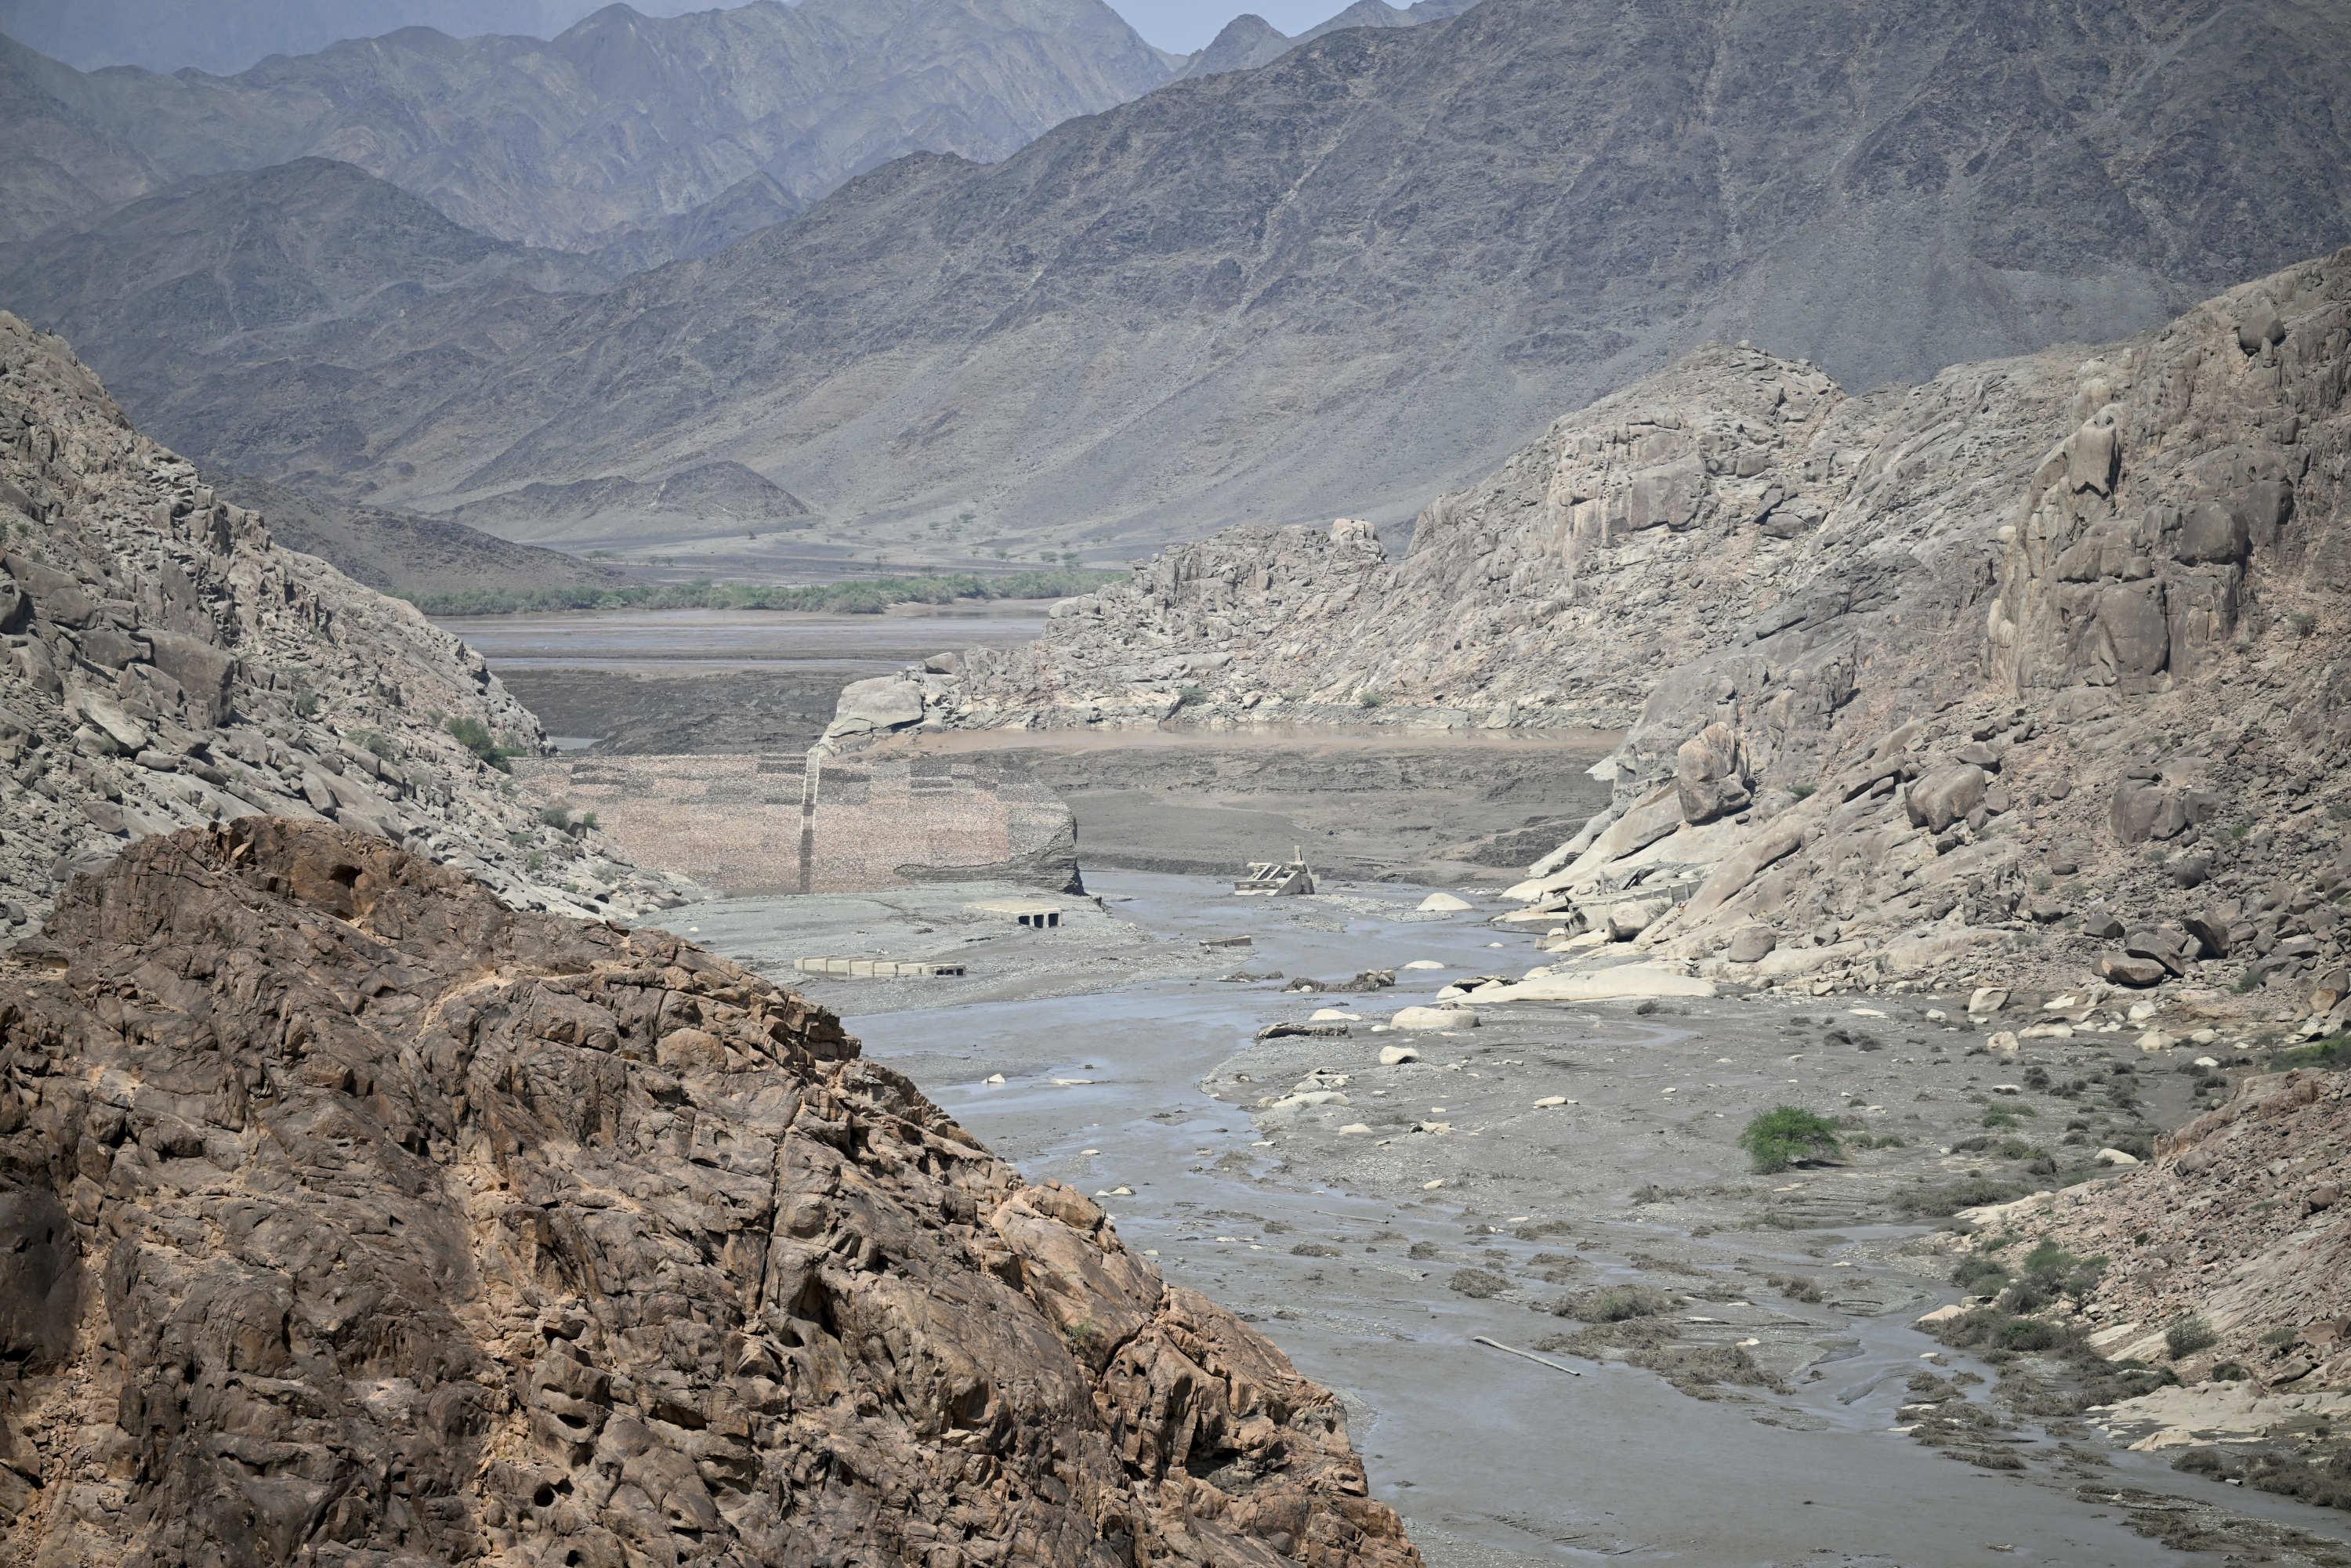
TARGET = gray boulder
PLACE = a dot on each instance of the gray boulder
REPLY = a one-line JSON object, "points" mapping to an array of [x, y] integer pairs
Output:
{"points": [[1946, 796]]}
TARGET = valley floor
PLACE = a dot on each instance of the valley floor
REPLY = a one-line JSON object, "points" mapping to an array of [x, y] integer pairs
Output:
{"points": [[1771, 1403]]}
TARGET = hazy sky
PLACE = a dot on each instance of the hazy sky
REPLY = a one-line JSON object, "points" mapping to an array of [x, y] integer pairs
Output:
{"points": [[1186, 24]]}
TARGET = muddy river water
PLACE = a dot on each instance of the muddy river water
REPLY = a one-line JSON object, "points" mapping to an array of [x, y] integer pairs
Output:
{"points": [[1492, 1459]]}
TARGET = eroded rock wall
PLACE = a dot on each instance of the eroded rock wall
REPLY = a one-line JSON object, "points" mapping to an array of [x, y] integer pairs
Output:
{"points": [[354, 1216], [162, 663]]}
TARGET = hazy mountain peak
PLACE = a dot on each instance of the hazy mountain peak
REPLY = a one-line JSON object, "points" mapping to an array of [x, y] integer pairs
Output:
{"points": [[613, 133]]}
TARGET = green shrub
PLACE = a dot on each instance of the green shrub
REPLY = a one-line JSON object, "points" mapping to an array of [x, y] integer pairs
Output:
{"points": [[2028, 1333], [1980, 1276], [2332, 1052], [556, 814], [2230, 1371], [476, 737], [2188, 1337], [1367, 697], [1786, 1134], [376, 742]]}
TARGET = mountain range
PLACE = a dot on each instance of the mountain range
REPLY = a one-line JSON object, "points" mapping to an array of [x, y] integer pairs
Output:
{"points": [[223, 36], [1322, 284], [622, 124], [1249, 40]]}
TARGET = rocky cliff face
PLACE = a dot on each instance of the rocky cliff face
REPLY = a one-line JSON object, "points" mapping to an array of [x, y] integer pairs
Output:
{"points": [[619, 126], [2041, 662], [162, 663], [351, 1213]]}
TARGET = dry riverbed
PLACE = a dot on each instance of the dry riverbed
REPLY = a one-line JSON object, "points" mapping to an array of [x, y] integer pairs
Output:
{"points": [[1728, 1372]]}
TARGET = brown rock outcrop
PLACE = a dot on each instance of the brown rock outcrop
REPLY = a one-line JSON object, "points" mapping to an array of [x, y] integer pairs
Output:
{"points": [[353, 1215], [164, 664]]}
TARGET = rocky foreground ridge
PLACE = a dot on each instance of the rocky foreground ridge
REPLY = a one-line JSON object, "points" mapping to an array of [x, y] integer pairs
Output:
{"points": [[163, 664], [353, 1215], [2041, 665]]}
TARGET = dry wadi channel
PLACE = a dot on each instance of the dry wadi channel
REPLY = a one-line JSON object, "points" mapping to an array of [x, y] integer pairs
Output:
{"points": [[1704, 1365]]}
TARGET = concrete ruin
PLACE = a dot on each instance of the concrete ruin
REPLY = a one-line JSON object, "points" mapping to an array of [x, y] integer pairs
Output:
{"points": [[1276, 879], [777, 824], [1030, 915]]}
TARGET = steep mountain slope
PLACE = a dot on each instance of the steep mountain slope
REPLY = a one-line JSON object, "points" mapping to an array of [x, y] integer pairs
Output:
{"points": [[2043, 666], [58, 164], [398, 554], [1249, 40], [225, 35], [252, 299], [624, 122], [163, 664], [1386, 257], [383, 1222]]}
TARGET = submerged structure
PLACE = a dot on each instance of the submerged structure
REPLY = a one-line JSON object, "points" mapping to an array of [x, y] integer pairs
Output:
{"points": [[1278, 879]]}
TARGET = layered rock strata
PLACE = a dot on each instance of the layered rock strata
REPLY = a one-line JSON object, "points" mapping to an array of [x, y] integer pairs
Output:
{"points": [[163, 664], [353, 1215]]}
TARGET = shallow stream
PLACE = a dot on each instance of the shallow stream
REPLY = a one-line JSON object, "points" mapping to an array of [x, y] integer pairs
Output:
{"points": [[1492, 1459]]}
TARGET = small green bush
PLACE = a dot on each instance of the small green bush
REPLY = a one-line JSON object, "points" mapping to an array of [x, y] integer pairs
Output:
{"points": [[2188, 1337], [1980, 1276], [1369, 698], [2331, 1053], [476, 737], [1786, 1134], [2230, 1371], [556, 814]]}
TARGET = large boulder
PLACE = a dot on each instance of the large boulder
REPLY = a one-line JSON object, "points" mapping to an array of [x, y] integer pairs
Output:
{"points": [[884, 703], [1946, 796], [1710, 774]]}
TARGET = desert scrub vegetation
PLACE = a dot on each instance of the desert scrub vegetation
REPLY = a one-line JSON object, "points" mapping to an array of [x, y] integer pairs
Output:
{"points": [[1614, 1304], [2335, 1051], [2320, 1475], [864, 596], [1787, 1135], [2189, 1335], [474, 737]]}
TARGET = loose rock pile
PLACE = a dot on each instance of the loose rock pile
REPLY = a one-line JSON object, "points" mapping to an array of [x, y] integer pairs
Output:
{"points": [[162, 663], [351, 1214]]}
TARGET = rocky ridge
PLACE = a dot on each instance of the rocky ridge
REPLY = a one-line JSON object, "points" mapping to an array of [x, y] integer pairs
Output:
{"points": [[355, 1214], [163, 664], [2039, 666]]}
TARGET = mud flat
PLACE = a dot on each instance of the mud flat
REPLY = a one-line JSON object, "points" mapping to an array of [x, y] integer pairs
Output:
{"points": [[674, 682], [1444, 806], [1770, 1401]]}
